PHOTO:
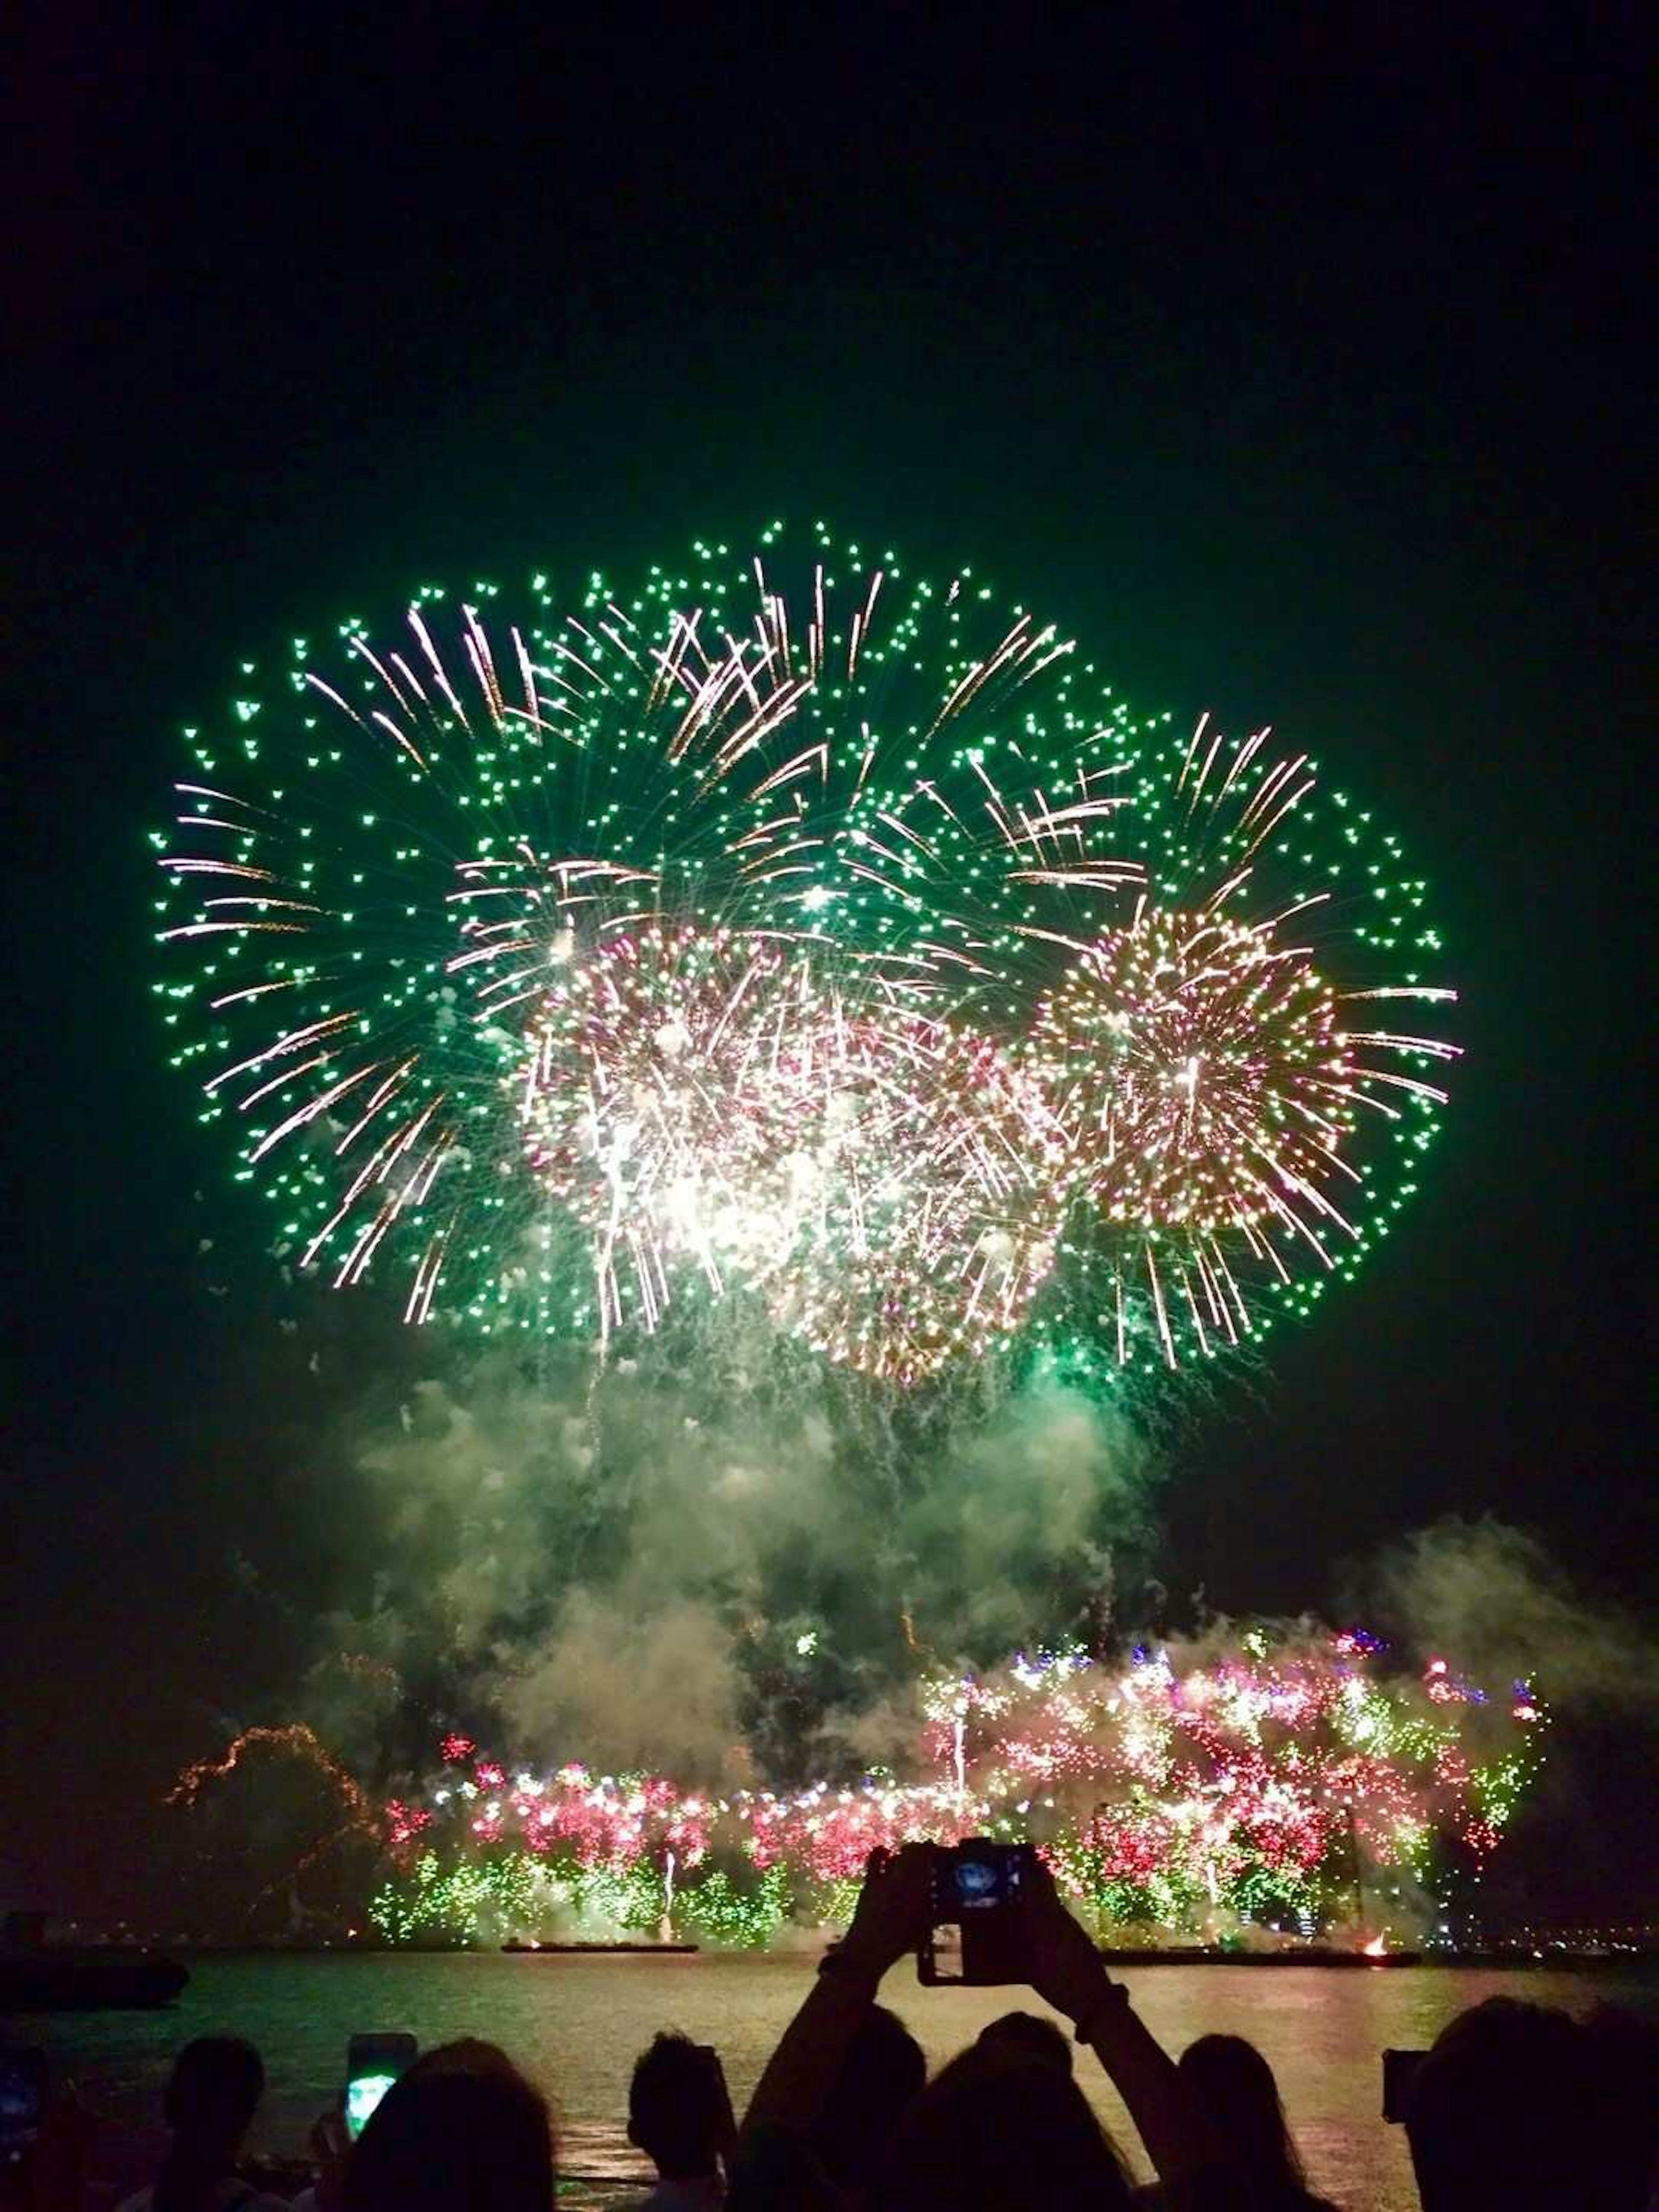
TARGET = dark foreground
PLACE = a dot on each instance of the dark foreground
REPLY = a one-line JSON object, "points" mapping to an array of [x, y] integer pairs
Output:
{"points": [[575, 2021]]}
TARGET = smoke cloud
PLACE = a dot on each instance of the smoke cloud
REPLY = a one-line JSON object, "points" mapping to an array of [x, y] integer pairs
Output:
{"points": [[1489, 1596], [719, 1559], [730, 1564]]}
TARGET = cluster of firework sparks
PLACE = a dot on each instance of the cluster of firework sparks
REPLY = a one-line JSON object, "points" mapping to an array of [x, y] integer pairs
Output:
{"points": [[790, 931], [1291, 1788], [794, 929]]}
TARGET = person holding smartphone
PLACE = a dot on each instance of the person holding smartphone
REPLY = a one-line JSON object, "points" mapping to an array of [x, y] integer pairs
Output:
{"points": [[896, 1912], [374, 2060]]}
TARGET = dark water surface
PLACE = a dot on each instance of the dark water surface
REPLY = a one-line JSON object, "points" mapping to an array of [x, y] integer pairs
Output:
{"points": [[576, 2023]]}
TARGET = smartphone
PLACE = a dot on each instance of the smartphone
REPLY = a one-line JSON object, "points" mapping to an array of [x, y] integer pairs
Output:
{"points": [[22, 2099], [1399, 2072], [978, 1886], [372, 2064]]}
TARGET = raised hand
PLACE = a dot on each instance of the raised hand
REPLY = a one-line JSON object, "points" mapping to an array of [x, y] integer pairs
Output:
{"points": [[894, 1910], [1066, 1970], [331, 2145]]}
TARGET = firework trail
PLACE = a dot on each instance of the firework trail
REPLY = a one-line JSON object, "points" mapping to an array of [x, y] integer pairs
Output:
{"points": [[295, 1738], [359, 1817]]}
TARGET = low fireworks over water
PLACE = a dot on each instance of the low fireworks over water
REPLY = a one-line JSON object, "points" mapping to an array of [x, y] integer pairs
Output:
{"points": [[1293, 1790], [788, 928]]}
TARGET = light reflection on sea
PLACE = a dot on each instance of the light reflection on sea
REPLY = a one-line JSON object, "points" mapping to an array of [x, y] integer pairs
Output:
{"points": [[575, 2024]]}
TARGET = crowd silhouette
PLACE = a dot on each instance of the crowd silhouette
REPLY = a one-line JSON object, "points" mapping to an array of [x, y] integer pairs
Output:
{"points": [[1515, 2107]]}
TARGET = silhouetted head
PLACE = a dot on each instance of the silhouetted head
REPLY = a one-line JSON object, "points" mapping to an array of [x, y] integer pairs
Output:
{"points": [[1495, 2114], [217, 2085], [880, 2077], [1233, 2085], [1030, 2032], [462, 2131], [1001, 2131], [1619, 2064], [677, 2112]]}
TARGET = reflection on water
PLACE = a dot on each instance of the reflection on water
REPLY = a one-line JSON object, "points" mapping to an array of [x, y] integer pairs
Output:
{"points": [[575, 2024]]}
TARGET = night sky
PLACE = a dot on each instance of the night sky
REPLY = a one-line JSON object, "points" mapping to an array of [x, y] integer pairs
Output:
{"points": [[1297, 378]]}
